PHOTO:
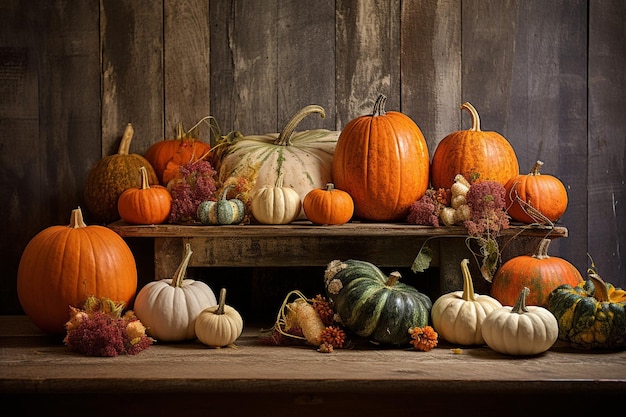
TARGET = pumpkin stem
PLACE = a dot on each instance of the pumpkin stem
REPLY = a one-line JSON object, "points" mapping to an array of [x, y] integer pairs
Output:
{"points": [[179, 275], [468, 285], [601, 292], [536, 168], [475, 118], [124, 148], [76, 219], [379, 105], [221, 302], [284, 138], [520, 305], [330, 186], [542, 250], [145, 182], [226, 190], [393, 278], [180, 131]]}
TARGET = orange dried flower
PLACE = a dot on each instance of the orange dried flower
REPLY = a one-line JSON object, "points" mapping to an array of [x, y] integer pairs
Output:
{"points": [[323, 310], [423, 338], [333, 336]]}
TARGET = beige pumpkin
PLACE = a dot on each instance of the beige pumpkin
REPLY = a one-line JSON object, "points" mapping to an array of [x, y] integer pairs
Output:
{"points": [[276, 204], [458, 316], [521, 329], [169, 307], [303, 158], [219, 325]]}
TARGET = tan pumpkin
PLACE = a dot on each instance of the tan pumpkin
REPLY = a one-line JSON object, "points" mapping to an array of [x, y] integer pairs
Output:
{"points": [[113, 175], [62, 266], [458, 316], [382, 161], [475, 154], [219, 325], [276, 204], [169, 307], [303, 158]]}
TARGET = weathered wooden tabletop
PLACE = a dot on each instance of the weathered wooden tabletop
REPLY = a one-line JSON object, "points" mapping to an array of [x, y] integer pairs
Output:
{"points": [[39, 370]]}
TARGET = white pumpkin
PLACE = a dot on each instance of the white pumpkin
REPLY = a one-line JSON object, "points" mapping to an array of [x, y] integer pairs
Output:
{"points": [[276, 204], [458, 316], [219, 325], [521, 329], [169, 308], [303, 158]]}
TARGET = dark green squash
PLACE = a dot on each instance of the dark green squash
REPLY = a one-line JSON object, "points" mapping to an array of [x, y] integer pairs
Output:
{"points": [[223, 211], [590, 315], [374, 305]]}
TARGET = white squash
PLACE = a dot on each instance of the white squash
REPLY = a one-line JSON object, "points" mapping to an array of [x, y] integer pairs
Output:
{"points": [[276, 204], [521, 329], [169, 308], [457, 316], [219, 325], [303, 158]]}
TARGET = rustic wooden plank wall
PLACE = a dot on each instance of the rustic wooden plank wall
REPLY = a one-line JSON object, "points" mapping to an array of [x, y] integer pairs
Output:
{"points": [[547, 75]]}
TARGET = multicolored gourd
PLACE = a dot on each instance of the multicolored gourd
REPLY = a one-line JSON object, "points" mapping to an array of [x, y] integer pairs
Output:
{"points": [[328, 206], [375, 305], [475, 154], [382, 161], [458, 316], [224, 211], [591, 315], [62, 266], [521, 329]]}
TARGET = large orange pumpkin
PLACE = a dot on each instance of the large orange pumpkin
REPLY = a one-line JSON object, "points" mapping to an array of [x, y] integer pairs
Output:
{"points": [[111, 176], [176, 152], [63, 265], [477, 155], [540, 272], [382, 161], [535, 197]]}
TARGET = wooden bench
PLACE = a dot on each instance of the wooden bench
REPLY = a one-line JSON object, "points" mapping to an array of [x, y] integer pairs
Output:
{"points": [[304, 244]]}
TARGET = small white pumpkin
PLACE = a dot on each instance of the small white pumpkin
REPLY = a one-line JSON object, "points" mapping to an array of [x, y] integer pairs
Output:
{"points": [[275, 204], [219, 325], [521, 329], [168, 308], [457, 316]]}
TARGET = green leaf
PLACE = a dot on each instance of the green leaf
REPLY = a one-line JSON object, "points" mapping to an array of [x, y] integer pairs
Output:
{"points": [[422, 260]]}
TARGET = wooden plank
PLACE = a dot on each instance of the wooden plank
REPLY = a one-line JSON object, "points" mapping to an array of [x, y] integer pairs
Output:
{"points": [[607, 147], [186, 69], [368, 57], [431, 66], [306, 78], [524, 69], [132, 72]]}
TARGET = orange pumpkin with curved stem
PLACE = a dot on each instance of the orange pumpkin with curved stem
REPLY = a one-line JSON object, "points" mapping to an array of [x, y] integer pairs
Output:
{"points": [[146, 204], [382, 161], [328, 205], [475, 154], [535, 197]]}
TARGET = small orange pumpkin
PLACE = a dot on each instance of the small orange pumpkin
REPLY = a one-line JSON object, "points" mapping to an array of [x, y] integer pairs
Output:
{"points": [[176, 152], [477, 155], [145, 205], [64, 265], [382, 161], [535, 197], [328, 205], [540, 272]]}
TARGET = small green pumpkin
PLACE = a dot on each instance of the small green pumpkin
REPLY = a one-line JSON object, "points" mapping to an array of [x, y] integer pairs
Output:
{"points": [[374, 305], [223, 211], [591, 314]]}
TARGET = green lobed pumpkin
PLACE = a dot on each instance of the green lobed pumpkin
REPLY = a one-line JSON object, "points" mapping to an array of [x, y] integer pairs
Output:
{"points": [[223, 211], [374, 305], [591, 314]]}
